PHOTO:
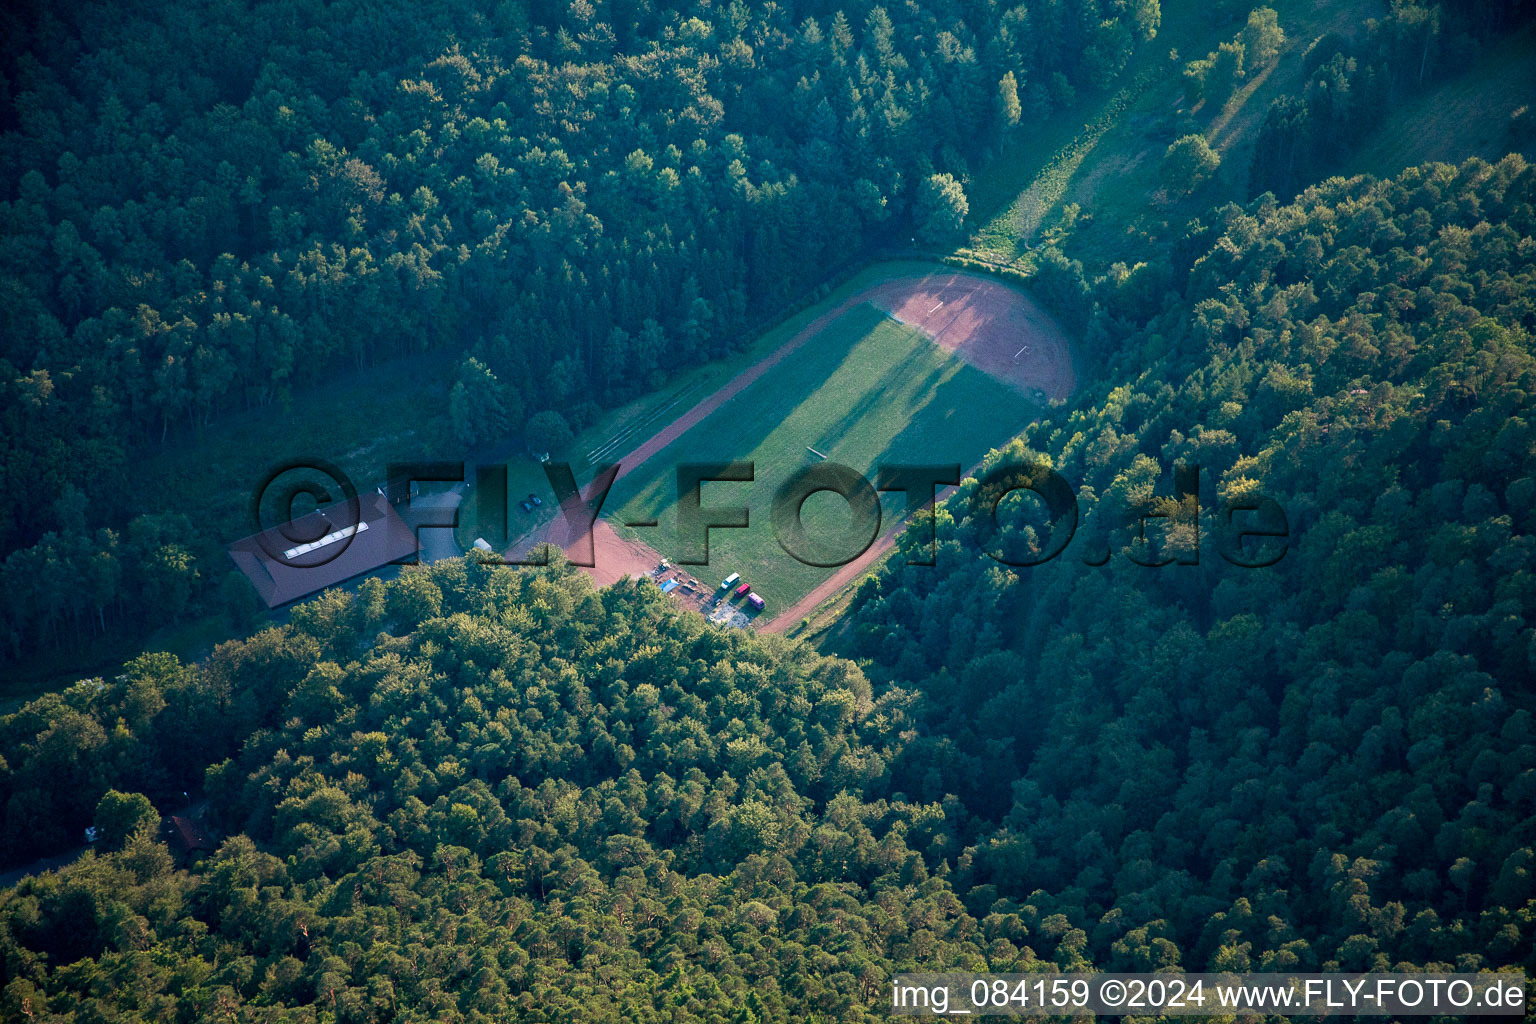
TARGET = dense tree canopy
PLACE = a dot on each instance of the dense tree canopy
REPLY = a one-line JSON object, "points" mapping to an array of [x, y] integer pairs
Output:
{"points": [[475, 793], [478, 791], [1325, 762], [532, 798], [206, 206]]}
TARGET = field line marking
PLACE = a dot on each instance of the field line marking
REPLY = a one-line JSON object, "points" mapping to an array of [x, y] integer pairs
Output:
{"points": [[639, 455], [617, 439]]}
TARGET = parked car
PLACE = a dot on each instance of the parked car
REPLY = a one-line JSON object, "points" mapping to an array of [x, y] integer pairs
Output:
{"points": [[744, 590], [535, 499], [526, 507]]}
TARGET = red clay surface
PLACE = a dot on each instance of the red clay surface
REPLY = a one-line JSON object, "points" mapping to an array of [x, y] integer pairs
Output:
{"points": [[613, 557], [991, 326], [998, 330], [616, 558], [791, 616]]}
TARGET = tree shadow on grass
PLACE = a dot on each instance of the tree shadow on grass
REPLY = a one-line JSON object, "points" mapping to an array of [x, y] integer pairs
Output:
{"points": [[896, 379]]}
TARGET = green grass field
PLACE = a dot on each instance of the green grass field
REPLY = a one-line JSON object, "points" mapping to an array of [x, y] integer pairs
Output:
{"points": [[868, 391], [652, 412]]}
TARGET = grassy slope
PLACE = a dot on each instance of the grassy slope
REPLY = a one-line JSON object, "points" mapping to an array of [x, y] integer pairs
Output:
{"points": [[872, 392], [1105, 157], [1466, 116], [361, 422]]}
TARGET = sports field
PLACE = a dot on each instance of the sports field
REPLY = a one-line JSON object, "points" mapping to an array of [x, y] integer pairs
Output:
{"points": [[935, 367], [867, 391]]}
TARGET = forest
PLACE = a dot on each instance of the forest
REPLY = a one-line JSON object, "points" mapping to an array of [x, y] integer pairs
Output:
{"points": [[1353, 82], [1330, 760], [210, 207], [474, 794]]}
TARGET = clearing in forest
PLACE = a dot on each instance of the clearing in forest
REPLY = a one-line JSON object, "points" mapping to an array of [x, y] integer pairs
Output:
{"points": [[933, 367]]}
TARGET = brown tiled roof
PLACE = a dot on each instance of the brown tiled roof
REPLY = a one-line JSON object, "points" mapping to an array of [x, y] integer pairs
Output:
{"points": [[280, 577], [186, 835]]}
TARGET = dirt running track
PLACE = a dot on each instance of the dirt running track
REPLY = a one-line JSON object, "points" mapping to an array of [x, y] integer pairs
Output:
{"points": [[791, 616], [995, 328]]}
